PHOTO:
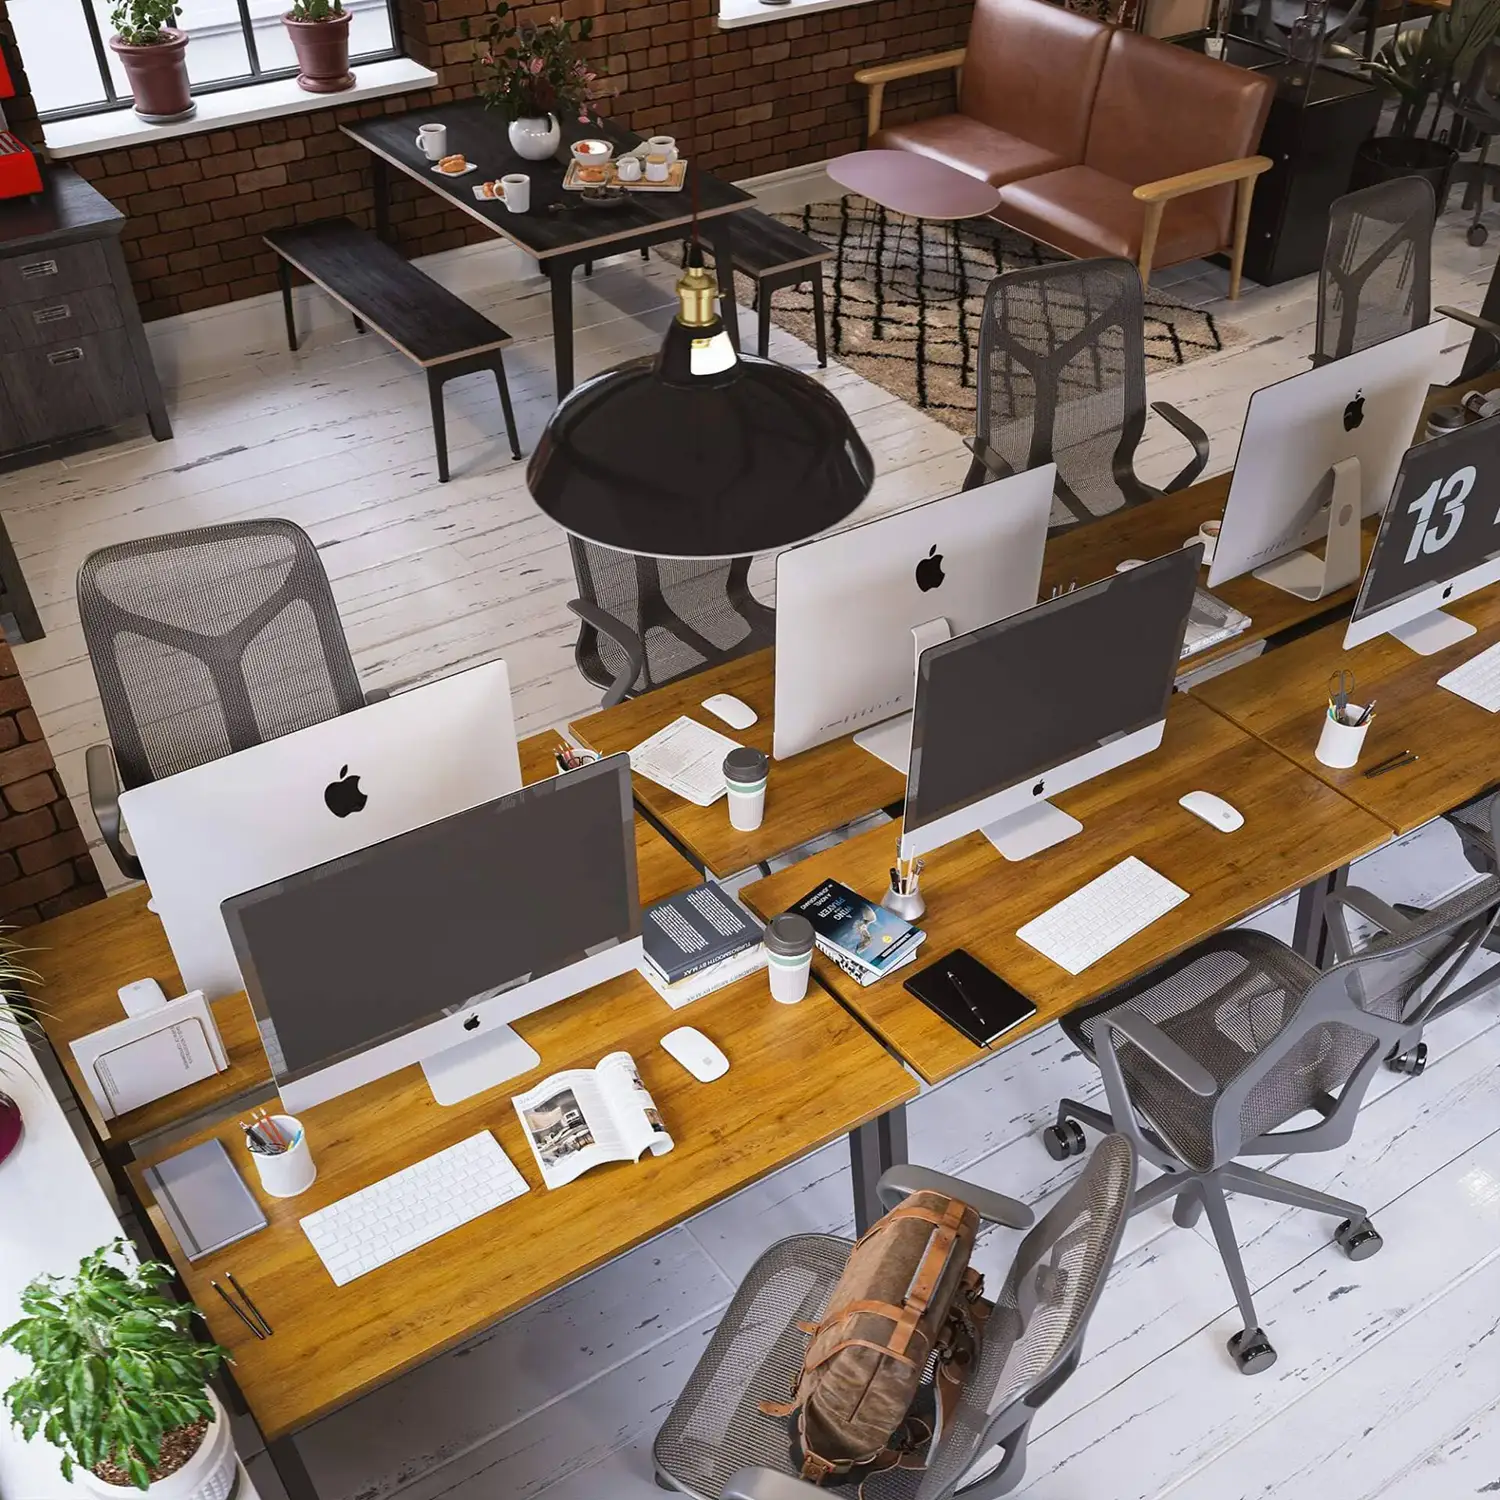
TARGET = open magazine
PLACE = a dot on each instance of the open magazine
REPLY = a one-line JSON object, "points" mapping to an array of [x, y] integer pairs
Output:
{"points": [[580, 1119]]}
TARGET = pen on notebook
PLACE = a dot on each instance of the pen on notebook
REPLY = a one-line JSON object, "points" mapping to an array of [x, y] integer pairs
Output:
{"points": [[239, 1311], [260, 1317], [963, 995], [1393, 763]]}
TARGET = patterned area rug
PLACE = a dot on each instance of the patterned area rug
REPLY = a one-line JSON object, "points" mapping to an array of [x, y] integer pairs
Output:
{"points": [[905, 313]]}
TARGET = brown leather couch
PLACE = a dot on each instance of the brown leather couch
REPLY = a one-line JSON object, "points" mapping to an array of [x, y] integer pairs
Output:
{"points": [[1102, 142]]}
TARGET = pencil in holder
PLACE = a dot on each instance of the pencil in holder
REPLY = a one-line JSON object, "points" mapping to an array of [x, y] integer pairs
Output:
{"points": [[1342, 738], [291, 1170]]}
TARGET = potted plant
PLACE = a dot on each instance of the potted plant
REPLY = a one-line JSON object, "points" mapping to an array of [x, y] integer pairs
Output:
{"points": [[320, 34], [15, 1051], [154, 55], [1419, 64], [119, 1383], [534, 75]]}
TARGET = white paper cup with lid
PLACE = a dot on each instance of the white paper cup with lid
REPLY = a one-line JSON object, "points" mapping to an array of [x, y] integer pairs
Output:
{"points": [[789, 951], [745, 774]]}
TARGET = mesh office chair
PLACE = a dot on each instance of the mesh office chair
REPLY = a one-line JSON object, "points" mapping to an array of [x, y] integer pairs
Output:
{"points": [[717, 1443], [1062, 378], [1376, 277], [205, 642], [649, 620], [1475, 102], [1206, 1059]]}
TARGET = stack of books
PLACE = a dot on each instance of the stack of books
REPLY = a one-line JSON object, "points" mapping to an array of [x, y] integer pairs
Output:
{"points": [[864, 939], [697, 943]]}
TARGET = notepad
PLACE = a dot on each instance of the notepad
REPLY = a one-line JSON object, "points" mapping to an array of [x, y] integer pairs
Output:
{"points": [[204, 1199], [687, 758]]}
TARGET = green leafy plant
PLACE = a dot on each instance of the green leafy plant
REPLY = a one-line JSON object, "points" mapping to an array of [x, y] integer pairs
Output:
{"points": [[315, 10], [144, 23], [1422, 61], [536, 70], [115, 1370]]}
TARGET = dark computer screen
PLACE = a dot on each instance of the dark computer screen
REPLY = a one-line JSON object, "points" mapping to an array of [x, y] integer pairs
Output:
{"points": [[392, 937], [1442, 517], [1014, 699]]}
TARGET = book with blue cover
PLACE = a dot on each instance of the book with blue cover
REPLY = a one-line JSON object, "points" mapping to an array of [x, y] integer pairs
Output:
{"points": [[853, 930]]}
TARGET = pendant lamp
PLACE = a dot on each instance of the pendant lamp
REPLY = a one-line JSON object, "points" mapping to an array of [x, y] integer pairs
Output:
{"points": [[699, 451]]}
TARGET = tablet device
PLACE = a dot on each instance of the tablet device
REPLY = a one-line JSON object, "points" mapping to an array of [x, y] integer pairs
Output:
{"points": [[973, 999]]}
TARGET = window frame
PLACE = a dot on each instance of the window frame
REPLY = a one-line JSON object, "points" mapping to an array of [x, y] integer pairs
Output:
{"points": [[114, 101]]}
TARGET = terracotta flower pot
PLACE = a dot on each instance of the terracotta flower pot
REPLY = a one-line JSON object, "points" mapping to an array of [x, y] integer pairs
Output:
{"points": [[322, 53], [158, 78]]}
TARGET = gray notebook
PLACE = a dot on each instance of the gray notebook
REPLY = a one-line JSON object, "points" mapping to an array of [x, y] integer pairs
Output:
{"points": [[204, 1199]]}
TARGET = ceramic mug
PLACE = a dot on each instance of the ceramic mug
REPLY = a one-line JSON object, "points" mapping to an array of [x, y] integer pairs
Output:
{"points": [[432, 142], [658, 167], [517, 187], [662, 145], [629, 169]]}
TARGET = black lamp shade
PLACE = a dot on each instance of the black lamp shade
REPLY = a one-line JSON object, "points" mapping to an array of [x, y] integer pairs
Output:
{"points": [[646, 459]]}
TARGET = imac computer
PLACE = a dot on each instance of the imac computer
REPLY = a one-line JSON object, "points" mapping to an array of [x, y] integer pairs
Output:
{"points": [[1318, 453], [1438, 541], [423, 948], [1030, 706], [232, 824], [854, 609]]}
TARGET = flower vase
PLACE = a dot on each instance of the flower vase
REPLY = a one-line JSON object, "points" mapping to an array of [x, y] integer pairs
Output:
{"points": [[535, 137]]}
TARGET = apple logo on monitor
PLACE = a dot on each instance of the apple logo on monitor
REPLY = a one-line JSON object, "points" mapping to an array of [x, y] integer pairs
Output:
{"points": [[1039, 788], [930, 570], [344, 796], [472, 1024], [1354, 413]]}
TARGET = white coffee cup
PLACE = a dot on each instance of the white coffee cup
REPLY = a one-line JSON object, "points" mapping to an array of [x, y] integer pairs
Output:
{"points": [[517, 187], [658, 167], [789, 951], [745, 772], [1208, 534], [1339, 744], [292, 1171], [662, 145], [432, 142], [629, 169]]}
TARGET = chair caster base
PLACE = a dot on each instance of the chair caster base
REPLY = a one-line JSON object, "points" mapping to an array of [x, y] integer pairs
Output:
{"points": [[1358, 1239], [661, 1483], [1476, 234], [1413, 1062], [1064, 1140], [1252, 1351], [1187, 1210]]}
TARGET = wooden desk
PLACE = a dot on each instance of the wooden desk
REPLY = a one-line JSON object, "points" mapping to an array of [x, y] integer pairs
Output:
{"points": [[1296, 831], [86, 955], [800, 1077], [1281, 699]]}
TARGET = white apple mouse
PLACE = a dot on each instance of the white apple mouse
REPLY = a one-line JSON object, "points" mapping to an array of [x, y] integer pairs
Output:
{"points": [[735, 714], [696, 1053], [1214, 811], [141, 996]]}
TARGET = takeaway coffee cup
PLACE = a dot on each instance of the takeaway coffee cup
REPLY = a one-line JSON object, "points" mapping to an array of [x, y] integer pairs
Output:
{"points": [[789, 950], [745, 775]]}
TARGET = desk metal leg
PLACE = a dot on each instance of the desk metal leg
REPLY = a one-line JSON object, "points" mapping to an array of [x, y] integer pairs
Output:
{"points": [[720, 235], [872, 1149], [290, 1469], [381, 181], [1310, 931], [561, 275]]}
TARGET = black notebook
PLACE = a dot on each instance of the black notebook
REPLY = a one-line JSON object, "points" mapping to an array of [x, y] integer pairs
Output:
{"points": [[971, 998], [694, 931]]}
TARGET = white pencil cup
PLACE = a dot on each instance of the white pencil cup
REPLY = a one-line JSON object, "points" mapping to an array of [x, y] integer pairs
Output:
{"points": [[789, 951], [293, 1171], [1339, 744], [745, 774]]}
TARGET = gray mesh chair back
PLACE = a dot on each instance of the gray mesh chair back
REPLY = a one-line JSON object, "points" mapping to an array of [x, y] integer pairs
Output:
{"points": [[649, 620], [1031, 1345], [1062, 379], [209, 641], [1376, 278]]}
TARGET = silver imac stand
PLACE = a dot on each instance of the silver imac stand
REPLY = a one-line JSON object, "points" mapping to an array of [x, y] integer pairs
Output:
{"points": [[1031, 830], [890, 741], [1311, 577], [478, 1063], [1433, 632]]}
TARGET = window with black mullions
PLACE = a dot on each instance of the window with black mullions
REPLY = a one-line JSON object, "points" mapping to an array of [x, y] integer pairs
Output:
{"points": [[71, 70]]}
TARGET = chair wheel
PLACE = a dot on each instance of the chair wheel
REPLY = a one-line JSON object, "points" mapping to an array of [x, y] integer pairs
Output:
{"points": [[1252, 1351], [1357, 1238], [1064, 1140], [1413, 1062], [1477, 234]]}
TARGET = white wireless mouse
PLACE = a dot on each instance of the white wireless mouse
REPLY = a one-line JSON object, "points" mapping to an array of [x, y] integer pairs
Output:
{"points": [[1214, 811], [141, 996], [696, 1053], [735, 714]]}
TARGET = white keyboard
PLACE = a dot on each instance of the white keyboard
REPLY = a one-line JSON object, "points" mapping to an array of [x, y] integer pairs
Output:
{"points": [[1478, 680], [1100, 916], [410, 1207]]}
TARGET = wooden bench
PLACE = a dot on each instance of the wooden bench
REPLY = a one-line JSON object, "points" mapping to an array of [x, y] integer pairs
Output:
{"points": [[382, 289], [778, 256]]}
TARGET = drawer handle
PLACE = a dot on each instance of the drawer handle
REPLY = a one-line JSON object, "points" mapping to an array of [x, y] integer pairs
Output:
{"points": [[37, 269], [65, 356], [52, 314]]}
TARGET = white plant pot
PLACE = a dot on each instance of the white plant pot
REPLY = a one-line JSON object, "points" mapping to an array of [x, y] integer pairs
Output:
{"points": [[208, 1475], [535, 138]]}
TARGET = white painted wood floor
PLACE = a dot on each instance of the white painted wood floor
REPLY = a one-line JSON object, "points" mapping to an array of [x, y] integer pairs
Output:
{"points": [[563, 1400]]}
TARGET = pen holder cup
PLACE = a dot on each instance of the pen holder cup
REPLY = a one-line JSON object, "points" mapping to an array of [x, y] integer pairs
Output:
{"points": [[789, 951], [1339, 744], [907, 905], [291, 1172]]}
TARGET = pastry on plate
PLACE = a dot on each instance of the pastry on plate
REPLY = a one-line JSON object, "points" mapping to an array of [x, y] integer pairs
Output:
{"points": [[593, 176], [453, 165]]}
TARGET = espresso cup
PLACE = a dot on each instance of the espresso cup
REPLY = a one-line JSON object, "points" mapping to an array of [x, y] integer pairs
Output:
{"points": [[662, 145], [517, 187], [432, 142], [629, 169], [658, 167]]}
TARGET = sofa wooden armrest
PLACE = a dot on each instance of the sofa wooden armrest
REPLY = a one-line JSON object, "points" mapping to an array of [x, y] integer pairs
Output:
{"points": [[875, 79], [1156, 196]]}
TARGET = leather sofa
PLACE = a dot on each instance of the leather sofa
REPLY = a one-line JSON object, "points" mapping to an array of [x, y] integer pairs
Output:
{"points": [[1101, 141]]}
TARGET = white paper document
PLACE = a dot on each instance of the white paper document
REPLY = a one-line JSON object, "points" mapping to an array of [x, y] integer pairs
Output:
{"points": [[687, 758]]}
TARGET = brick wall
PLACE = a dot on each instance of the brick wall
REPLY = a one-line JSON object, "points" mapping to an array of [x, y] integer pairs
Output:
{"points": [[767, 97]]}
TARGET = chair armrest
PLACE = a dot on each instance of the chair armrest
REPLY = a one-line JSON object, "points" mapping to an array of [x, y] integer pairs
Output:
{"points": [[897, 1183], [1205, 177], [876, 78], [377, 695], [1371, 907], [1162, 1050], [1471, 320], [768, 1484], [104, 799], [1194, 434], [619, 632]]}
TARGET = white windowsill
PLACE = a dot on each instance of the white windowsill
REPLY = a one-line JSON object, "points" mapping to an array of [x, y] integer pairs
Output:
{"points": [[733, 13], [256, 101]]}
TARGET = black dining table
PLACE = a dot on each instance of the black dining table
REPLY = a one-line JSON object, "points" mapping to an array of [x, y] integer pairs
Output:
{"points": [[559, 231]]}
